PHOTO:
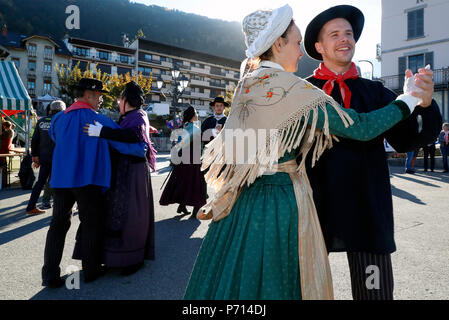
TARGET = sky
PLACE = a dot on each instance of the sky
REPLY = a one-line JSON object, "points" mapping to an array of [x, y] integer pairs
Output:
{"points": [[303, 12]]}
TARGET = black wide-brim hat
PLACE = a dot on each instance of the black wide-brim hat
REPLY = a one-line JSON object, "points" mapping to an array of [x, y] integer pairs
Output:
{"points": [[220, 100], [350, 13], [91, 84]]}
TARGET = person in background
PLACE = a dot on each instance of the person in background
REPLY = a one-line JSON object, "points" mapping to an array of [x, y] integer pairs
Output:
{"points": [[443, 139], [6, 137], [213, 125], [410, 161], [186, 185], [42, 147], [429, 150]]}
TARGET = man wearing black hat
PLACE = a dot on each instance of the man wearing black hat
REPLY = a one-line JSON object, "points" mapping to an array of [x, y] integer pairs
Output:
{"points": [[213, 125], [81, 170], [362, 227]]}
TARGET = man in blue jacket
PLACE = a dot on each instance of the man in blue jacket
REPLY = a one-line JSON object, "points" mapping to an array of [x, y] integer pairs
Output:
{"points": [[81, 171]]}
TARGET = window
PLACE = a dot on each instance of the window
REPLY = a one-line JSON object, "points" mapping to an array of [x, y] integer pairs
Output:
{"points": [[31, 84], [83, 52], [16, 62], [416, 62], [32, 66], [103, 55], [48, 52], [145, 71], [32, 48], [47, 86], [415, 23], [124, 59], [148, 57], [47, 68]]}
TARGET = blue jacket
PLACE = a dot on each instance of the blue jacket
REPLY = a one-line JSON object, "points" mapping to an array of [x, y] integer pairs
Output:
{"points": [[80, 160]]}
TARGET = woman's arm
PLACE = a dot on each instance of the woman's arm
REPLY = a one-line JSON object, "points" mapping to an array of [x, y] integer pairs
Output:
{"points": [[367, 126], [121, 135]]}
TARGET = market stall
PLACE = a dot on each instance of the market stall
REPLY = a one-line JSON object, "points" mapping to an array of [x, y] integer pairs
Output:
{"points": [[14, 99]]}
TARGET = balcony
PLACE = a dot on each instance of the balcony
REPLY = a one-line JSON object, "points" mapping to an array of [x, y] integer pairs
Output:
{"points": [[199, 70], [199, 82], [167, 64], [31, 73], [200, 95], [48, 56], [218, 85], [47, 74], [31, 53], [31, 91], [396, 82]]}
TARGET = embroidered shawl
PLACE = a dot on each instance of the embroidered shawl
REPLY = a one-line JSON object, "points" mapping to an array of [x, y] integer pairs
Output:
{"points": [[277, 106]]}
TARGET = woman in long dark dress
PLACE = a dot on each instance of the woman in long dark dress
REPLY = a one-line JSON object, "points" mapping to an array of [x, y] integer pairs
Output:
{"points": [[130, 209], [187, 185]]}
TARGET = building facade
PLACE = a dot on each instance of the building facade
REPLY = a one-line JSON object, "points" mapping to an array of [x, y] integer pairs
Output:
{"points": [[209, 76], [415, 33], [35, 57], [108, 58]]}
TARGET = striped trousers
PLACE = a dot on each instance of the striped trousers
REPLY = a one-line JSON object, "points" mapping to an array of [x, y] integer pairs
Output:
{"points": [[371, 276]]}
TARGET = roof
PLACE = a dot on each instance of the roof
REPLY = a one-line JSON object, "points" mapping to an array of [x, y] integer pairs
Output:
{"points": [[101, 45], [13, 95], [186, 53], [17, 40]]}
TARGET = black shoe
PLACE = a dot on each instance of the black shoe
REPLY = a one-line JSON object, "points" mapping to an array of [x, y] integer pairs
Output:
{"points": [[182, 209], [46, 206], [129, 270], [425, 170], [194, 212], [410, 171], [91, 278], [53, 283]]}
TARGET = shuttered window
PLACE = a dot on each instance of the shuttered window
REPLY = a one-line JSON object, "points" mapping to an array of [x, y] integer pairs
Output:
{"points": [[415, 23]]}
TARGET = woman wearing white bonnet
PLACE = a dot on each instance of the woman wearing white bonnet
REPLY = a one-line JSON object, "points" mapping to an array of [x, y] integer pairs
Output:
{"points": [[265, 241]]}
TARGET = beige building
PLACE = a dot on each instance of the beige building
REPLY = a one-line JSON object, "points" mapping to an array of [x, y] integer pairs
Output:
{"points": [[35, 57], [416, 33], [209, 76]]}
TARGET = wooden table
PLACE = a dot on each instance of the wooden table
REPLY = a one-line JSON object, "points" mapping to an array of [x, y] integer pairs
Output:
{"points": [[9, 156]]}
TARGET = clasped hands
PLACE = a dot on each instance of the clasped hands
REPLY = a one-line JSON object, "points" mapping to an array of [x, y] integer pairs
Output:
{"points": [[420, 85]]}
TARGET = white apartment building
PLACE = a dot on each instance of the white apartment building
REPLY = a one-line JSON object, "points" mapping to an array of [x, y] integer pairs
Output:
{"points": [[416, 33], [209, 76], [35, 57]]}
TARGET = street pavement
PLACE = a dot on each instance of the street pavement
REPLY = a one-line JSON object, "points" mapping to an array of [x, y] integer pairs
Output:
{"points": [[421, 205]]}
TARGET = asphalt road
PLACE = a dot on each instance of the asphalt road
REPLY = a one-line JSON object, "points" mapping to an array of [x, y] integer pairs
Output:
{"points": [[421, 204]]}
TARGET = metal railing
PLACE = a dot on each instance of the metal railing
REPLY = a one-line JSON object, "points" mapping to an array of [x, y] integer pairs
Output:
{"points": [[31, 53], [396, 82]]}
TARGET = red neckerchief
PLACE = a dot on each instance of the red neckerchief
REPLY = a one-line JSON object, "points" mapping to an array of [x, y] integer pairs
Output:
{"points": [[79, 105], [324, 73]]}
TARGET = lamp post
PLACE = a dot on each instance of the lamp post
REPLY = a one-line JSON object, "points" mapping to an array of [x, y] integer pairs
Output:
{"points": [[180, 84], [372, 67]]}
